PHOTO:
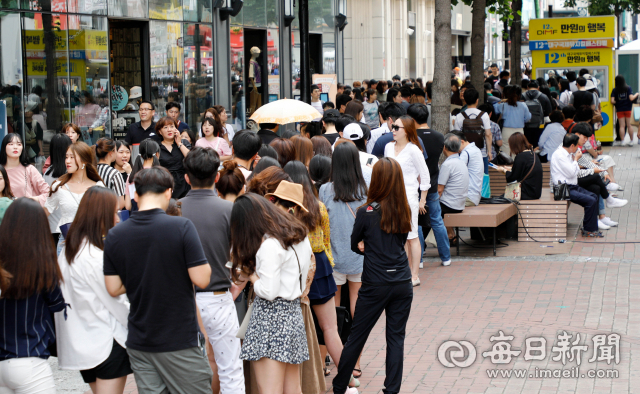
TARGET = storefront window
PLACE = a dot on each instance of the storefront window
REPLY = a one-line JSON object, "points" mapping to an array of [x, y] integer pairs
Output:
{"points": [[255, 12], [273, 64], [237, 20], [272, 13], [198, 66], [49, 93], [11, 76], [96, 7], [44, 5], [237, 83], [130, 8], [89, 49], [165, 9], [197, 10], [166, 64]]}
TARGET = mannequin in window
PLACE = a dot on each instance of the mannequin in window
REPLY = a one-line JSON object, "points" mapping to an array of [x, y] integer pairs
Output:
{"points": [[255, 74]]}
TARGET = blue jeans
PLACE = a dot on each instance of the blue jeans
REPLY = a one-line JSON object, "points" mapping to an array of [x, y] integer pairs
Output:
{"points": [[437, 224], [60, 245], [485, 161], [601, 210]]}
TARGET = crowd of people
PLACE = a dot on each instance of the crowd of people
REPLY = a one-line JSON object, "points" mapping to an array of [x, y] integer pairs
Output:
{"points": [[216, 261]]}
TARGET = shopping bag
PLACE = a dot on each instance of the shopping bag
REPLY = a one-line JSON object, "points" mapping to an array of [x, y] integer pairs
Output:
{"points": [[486, 186], [431, 239], [635, 115]]}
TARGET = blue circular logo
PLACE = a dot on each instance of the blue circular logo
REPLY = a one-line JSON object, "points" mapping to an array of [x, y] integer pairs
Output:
{"points": [[605, 119]]}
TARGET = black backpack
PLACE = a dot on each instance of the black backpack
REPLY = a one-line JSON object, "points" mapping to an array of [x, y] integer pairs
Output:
{"points": [[473, 129], [537, 114]]}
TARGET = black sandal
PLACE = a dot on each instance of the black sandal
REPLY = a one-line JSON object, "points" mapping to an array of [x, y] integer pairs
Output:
{"points": [[592, 234], [359, 371]]}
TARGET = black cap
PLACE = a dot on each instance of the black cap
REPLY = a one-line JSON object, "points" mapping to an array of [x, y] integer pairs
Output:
{"points": [[372, 82], [331, 115]]}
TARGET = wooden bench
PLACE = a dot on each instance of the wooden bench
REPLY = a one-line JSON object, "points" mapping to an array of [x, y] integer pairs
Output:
{"points": [[498, 180], [545, 219], [485, 215]]}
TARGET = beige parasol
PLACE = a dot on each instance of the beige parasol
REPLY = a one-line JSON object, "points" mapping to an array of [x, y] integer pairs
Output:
{"points": [[285, 111]]}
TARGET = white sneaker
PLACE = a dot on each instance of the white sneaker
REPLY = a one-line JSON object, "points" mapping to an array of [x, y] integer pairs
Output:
{"points": [[602, 226], [612, 187], [617, 143], [351, 390], [421, 265], [446, 263], [607, 220], [613, 202], [635, 139]]}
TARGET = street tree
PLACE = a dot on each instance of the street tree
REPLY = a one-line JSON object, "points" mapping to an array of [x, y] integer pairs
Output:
{"points": [[441, 88]]}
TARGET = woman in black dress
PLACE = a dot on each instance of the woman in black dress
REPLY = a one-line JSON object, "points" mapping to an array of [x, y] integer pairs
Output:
{"points": [[173, 150], [531, 184]]}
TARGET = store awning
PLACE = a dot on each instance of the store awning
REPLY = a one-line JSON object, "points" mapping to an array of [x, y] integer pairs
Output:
{"points": [[632, 46]]}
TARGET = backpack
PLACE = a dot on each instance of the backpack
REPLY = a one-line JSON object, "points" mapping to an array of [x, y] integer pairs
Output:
{"points": [[537, 114], [473, 129], [560, 104]]}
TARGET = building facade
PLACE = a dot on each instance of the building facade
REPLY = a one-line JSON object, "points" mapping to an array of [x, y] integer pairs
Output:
{"points": [[70, 60]]}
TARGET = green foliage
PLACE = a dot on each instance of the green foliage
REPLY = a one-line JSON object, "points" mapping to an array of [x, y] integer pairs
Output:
{"points": [[608, 7]]}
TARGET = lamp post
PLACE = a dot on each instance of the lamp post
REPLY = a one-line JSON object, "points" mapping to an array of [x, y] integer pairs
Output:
{"points": [[289, 12], [305, 70]]}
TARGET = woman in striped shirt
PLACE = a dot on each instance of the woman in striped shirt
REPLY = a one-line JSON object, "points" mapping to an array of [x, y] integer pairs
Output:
{"points": [[29, 295], [105, 150]]}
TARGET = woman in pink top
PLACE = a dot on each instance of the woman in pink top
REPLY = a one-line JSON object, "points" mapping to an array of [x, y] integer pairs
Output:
{"points": [[25, 179], [212, 132]]}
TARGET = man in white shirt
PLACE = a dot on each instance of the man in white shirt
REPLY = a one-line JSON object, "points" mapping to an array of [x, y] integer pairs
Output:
{"points": [[564, 169], [315, 99], [471, 156], [471, 97]]}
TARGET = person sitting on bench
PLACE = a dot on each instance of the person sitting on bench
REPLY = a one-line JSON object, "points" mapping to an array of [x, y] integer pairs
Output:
{"points": [[522, 171], [565, 169], [453, 181]]}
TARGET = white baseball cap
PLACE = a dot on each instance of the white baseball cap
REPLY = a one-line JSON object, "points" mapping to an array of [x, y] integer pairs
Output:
{"points": [[352, 132], [136, 92]]}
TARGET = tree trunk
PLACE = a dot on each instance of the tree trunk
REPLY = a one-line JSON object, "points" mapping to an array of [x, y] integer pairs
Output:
{"points": [[516, 40], [477, 45], [441, 89]]}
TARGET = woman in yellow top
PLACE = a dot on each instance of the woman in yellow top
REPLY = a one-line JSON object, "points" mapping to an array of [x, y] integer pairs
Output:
{"points": [[323, 287]]}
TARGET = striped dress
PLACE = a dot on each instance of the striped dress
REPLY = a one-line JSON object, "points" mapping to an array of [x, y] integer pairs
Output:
{"points": [[111, 178]]}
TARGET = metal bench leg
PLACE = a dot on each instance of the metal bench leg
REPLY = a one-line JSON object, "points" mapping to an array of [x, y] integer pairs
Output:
{"points": [[458, 244], [494, 241]]}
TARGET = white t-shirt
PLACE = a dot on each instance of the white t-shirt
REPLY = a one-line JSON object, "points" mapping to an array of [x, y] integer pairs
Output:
{"points": [[230, 131], [364, 157], [66, 202], [472, 113], [318, 105]]}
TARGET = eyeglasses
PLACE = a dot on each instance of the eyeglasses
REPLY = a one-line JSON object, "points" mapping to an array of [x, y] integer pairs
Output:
{"points": [[396, 127], [145, 109]]}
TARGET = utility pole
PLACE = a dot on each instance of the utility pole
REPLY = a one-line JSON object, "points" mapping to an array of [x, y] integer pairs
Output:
{"points": [[305, 70]]}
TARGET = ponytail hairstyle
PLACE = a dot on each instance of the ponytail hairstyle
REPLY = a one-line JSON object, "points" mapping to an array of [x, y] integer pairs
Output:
{"points": [[83, 156], [103, 147], [148, 150]]}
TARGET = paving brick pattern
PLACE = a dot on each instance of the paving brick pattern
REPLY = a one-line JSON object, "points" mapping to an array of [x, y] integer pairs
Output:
{"points": [[592, 289]]}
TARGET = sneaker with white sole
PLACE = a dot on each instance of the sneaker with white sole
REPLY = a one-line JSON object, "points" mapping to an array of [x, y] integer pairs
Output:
{"points": [[613, 202], [602, 226], [612, 187], [634, 141], [446, 263], [416, 282], [351, 390], [421, 264], [617, 143], [607, 220]]}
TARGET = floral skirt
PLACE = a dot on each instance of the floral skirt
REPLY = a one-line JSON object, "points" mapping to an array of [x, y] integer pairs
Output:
{"points": [[276, 331]]}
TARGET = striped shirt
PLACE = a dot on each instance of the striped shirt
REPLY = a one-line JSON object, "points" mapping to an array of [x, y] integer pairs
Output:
{"points": [[111, 178], [27, 324]]}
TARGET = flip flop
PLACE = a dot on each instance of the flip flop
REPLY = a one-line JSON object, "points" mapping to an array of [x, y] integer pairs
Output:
{"points": [[326, 372], [359, 371]]}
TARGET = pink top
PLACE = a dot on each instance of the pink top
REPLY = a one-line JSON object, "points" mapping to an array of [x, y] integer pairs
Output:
{"points": [[220, 145], [34, 187]]}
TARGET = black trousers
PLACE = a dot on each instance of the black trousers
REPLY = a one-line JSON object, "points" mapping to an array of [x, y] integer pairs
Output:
{"points": [[395, 300], [594, 184]]}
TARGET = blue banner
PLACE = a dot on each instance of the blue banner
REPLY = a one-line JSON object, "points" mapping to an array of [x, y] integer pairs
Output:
{"points": [[3, 119]]}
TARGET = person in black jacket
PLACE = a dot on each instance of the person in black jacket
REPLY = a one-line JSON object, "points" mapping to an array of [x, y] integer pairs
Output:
{"points": [[531, 180], [380, 233]]}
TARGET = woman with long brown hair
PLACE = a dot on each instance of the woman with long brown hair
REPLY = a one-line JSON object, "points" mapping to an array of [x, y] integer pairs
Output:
{"points": [[105, 150], [286, 150], [406, 149], [380, 233], [68, 190], [173, 150], [230, 132], [25, 179], [303, 148], [5, 185], [271, 247], [29, 294], [92, 336], [355, 108]]}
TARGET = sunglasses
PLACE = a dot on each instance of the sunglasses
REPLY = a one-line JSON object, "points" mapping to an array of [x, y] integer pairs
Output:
{"points": [[396, 127]]}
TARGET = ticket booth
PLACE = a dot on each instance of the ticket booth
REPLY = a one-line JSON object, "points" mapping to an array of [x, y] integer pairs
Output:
{"points": [[559, 45]]}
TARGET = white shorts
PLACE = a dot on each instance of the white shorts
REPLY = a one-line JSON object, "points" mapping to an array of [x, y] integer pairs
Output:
{"points": [[607, 161], [415, 210], [341, 279]]}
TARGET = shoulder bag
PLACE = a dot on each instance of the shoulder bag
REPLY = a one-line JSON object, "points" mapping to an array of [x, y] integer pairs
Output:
{"points": [[513, 191], [561, 192]]}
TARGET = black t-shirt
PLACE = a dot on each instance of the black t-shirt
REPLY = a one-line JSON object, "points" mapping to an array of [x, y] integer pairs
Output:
{"points": [[581, 98], [267, 136], [492, 79], [137, 133], [531, 187], [152, 252], [172, 161], [433, 142], [332, 137], [385, 260]]}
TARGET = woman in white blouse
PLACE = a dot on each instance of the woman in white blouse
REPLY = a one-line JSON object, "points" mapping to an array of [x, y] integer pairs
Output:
{"points": [[271, 247], [68, 190], [91, 337], [406, 149]]}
